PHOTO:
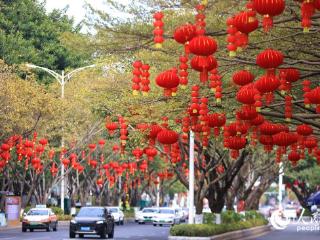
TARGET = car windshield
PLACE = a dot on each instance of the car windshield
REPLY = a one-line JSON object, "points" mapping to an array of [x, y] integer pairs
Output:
{"points": [[166, 211], [149, 210], [113, 210], [91, 212], [35, 212]]}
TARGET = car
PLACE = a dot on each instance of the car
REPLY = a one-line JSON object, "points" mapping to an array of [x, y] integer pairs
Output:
{"points": [[146, 215], [180, 214], [39, 218], [168, 216], [290, 212], [92, 221], [117, 214]]}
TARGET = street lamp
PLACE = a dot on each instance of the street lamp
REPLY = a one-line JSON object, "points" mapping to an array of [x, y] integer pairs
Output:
{"points": [[62, 80]]}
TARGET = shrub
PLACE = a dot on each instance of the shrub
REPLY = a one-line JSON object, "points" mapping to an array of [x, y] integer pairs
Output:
{"points": [[205, 230], [209, 218], [57, 210], [231, 217], [64, 217]]}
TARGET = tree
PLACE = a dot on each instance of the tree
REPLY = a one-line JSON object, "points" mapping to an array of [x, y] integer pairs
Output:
{"points": [[28, 34]]}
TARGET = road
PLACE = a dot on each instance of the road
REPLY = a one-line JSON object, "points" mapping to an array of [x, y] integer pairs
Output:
{"points": [[294, 232], [130, 231]]}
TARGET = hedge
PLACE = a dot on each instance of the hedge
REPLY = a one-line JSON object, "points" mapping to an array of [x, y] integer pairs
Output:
{"points": [[251, 219]]}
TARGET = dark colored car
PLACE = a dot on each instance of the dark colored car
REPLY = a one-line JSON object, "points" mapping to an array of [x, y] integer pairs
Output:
{"points": [[92, 221]]}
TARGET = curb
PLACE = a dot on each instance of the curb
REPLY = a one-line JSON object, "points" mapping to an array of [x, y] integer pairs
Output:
{"points": [[240, 234]]}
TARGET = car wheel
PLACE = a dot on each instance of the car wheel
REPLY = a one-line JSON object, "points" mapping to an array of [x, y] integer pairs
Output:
{"points": [[31, 230], [24, 229], [55, 228], [118, 223], [121, 222], [154, 224], [110, 235], [103, 234], [72, 234], [81, 235], [160, 225]]}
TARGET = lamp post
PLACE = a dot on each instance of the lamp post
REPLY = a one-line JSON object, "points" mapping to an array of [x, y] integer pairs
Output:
{"points": [[191, 179], [62, 80]]}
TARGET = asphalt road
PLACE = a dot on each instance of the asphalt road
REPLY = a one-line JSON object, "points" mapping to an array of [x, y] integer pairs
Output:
{"points": [[294, 232], [132, 231]]}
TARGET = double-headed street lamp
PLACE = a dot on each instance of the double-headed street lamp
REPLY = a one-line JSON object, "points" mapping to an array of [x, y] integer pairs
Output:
{"points": [[62, 79]]}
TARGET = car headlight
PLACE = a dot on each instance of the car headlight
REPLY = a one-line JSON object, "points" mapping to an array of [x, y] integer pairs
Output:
{"points": [[73, 221], [99, 222]]}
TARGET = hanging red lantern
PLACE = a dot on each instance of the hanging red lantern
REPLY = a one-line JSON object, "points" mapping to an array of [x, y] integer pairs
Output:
{"points": [[307, 11], [43, 141], [294, 157], [183, 71], [137, 152], [231, 38], [111, 127], [203, 64], [304, 130], [247, 112], [184, 34], [167, 137], [242, 77], [168, 80], [285, 139], [203, 46], [312, 96], [246, 94], [145, 82], [151, 153], [269, 59], [245, 22], [158, 31], [136, 80], [288, 108], [267, 84], [66, 162], [269, 9]]}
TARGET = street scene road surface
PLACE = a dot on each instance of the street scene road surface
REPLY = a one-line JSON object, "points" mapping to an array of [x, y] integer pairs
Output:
{"points": [[130, 231]]}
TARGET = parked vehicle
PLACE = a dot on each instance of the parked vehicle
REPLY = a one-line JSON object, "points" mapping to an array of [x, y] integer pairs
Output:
{"points": [[146, 215], [166, 216], [39, 218], [92, 221], [117, 214], [180, 214]]}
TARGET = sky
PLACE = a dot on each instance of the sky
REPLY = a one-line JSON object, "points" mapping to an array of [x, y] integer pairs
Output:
{"points": [[76, 6]]}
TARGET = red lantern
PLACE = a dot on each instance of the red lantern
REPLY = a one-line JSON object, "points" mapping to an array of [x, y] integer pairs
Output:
{"points": [[184, 34], [245, 23], [203, 46], [137, 152], [246, 94], [203, 64], [168, 80], [151, 153], [183, 71], [269, 59], [269, 9], [313, 97], [304, 130], [111, 127], [247, 112], [167, 137], [43, 141], [242, 77], [145, 79], [158, 31], [267, 84]]}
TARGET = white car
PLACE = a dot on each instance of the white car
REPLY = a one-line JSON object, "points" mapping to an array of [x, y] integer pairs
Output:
{"points": [[146, 215], [165, 216], [117, 214], [290, 212]]}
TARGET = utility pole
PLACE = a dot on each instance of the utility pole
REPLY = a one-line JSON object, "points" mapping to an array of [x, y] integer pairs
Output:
{"points": [[62, 80], [191, 179]]}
